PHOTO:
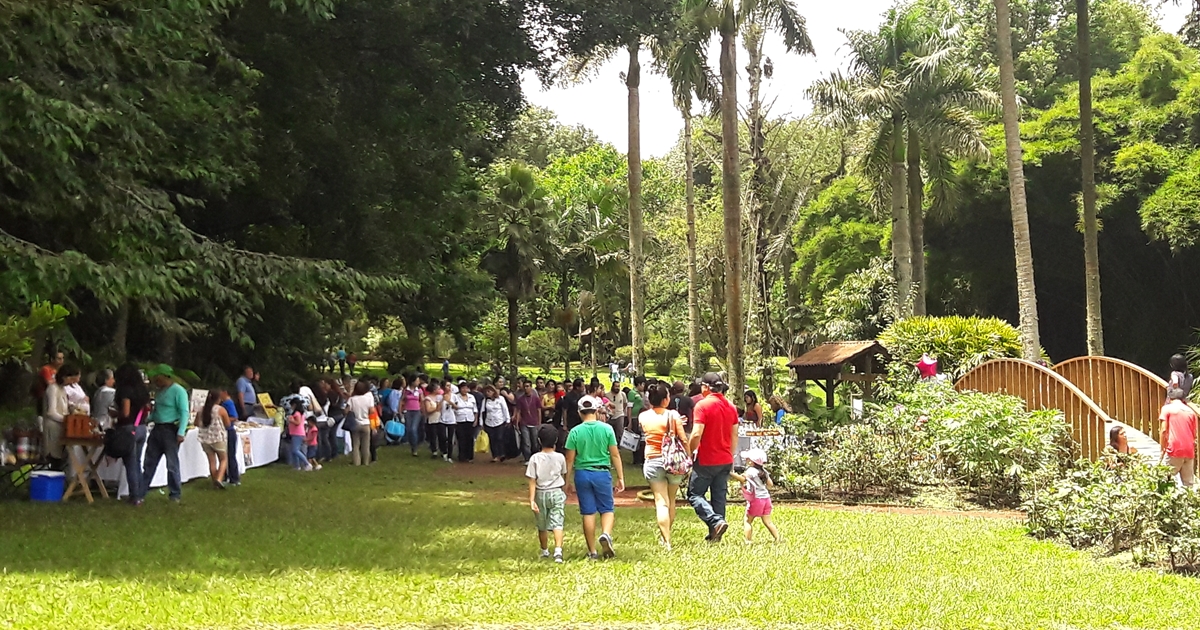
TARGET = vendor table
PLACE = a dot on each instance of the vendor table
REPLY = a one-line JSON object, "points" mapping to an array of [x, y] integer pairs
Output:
{"points": [[85, 455], [259, 447]]}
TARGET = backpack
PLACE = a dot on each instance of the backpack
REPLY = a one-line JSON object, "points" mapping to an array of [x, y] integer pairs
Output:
{"points": [[350, 423], [676, 459]]}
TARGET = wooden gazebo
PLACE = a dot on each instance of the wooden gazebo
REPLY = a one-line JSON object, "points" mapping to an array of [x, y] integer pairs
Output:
{"points": [[827, 365]]}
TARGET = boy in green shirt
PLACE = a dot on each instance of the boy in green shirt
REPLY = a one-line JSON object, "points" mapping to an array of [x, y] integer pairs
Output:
{"points": [[591, 455]]}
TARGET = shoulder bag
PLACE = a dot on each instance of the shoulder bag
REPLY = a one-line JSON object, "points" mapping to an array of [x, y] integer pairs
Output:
{"points": [[676, 460]]}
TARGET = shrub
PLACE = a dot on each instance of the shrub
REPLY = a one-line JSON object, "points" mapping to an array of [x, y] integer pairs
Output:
{"points": [[1119, 502], [860, 457], [625, 354], [985, 441], [1178, 524], [401, 353], [959, 343], [662, 354], [794, 468]]}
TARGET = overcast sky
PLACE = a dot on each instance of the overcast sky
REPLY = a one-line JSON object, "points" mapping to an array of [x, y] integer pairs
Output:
{"points": [[601, 105]]}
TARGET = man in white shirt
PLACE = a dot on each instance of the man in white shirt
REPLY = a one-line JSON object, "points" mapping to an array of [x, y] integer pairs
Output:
{"points": [[614, 370]]}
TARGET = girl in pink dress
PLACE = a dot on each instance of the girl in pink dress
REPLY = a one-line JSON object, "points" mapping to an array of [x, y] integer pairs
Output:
{"points": [[756, 484]]}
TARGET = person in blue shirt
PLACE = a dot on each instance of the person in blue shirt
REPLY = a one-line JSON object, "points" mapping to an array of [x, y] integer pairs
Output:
{"points": [[246, 398], [170, 420], [233, 475]]}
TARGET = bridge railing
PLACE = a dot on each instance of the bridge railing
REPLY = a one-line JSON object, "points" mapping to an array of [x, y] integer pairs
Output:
{"points": [[1042, 388], [1126, 392]]}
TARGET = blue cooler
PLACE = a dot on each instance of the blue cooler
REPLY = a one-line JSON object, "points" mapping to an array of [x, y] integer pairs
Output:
{"points": [[46, 486]]}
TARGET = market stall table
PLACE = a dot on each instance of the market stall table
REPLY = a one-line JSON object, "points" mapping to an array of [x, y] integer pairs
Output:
{"points": [[259, 447], [85, 455]]}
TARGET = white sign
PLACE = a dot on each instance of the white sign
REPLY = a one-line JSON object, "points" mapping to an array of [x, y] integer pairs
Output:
{"points": [[197, 404]]}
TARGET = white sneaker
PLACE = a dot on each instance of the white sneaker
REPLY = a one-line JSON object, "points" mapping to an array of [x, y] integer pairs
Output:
{"points": [[318, 467], [558, 557], [545, 554], [448, 460]]}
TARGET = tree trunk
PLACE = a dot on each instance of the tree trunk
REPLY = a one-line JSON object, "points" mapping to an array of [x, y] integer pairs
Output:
{"points": [[1087, 161], [637, 297], [693, 289], [901, 236], [1026, 293], [513, 324], [757, 208], [120, 341], [916, 215], [731, 193]]}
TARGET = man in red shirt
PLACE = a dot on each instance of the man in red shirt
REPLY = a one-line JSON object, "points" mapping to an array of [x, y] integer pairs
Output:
{"points": [[714, 440], [1178, 438]]}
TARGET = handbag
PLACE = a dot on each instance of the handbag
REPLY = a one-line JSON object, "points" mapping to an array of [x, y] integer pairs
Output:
{"points": [[350, 423], [676, 459], [395, 429], [119, 442], [483, 443]]}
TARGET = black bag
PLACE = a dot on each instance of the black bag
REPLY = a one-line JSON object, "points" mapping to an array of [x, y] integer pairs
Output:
{"points": [[119, 442], [350, 423], [512, 450]]}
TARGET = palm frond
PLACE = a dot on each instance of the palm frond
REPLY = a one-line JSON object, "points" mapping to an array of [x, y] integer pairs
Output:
{"points": [[781, 16], [944, 186], [583, 68]]}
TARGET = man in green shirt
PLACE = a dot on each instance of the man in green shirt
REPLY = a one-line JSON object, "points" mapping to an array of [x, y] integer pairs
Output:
{"points": [[591, 455], [170, 420]]}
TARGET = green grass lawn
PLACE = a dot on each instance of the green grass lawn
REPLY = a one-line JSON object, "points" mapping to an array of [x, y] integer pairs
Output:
{"points": [[413, 542]]}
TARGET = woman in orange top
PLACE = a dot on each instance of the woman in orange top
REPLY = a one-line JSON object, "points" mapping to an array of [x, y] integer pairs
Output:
{"points": [[656, 422]]}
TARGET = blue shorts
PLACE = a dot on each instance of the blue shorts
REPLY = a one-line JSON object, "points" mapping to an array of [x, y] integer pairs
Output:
{"points": [[595, 491], [312, 451]]}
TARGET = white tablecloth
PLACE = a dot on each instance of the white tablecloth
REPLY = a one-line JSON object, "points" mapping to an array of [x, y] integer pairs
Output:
{"points": [[193, 464]]}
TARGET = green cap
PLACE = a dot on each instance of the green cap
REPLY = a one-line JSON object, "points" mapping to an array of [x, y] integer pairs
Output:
{"points": [[162, 369]]}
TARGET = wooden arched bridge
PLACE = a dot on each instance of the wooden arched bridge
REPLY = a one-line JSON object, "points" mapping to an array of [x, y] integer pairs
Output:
{"points": [[1094, 394]]}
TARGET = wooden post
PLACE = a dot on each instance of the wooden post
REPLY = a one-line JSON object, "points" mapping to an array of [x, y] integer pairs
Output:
{"points": [[868, 386], [829, 393]]}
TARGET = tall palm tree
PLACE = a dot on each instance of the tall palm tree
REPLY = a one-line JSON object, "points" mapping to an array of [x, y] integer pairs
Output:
{"points": [[519, 214], [873, 91], [637, 292], [683, 61], [1087, 161], [726, 17], [623, 24], [945, 93], [910, 84], [1026, 293]]}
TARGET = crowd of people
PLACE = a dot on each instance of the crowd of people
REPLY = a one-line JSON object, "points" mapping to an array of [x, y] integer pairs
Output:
{"points": [[567, 434]]}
